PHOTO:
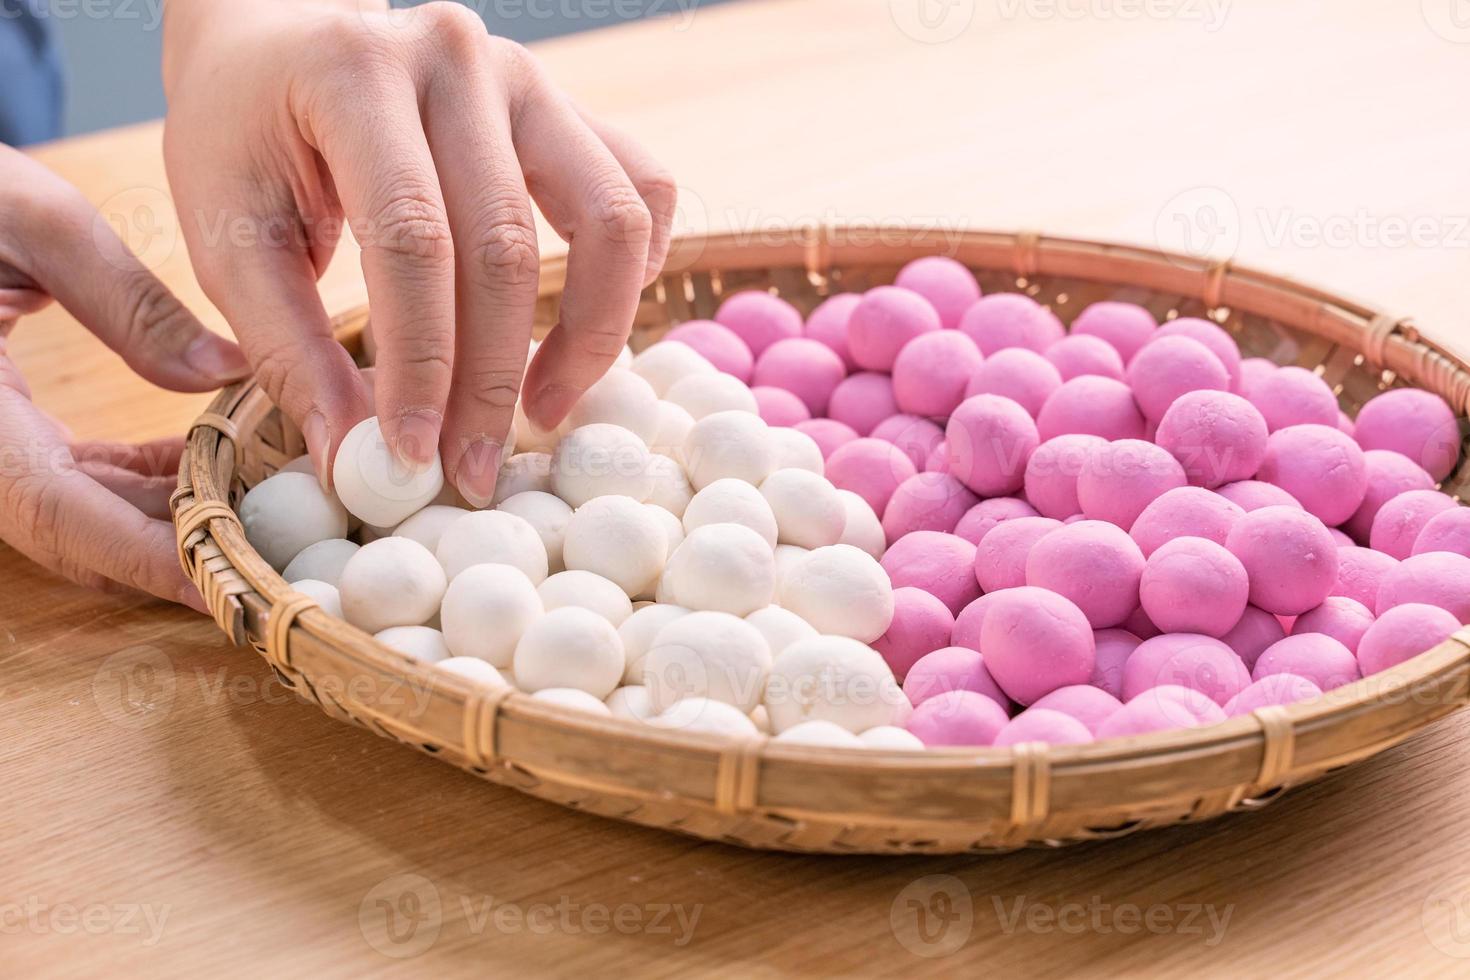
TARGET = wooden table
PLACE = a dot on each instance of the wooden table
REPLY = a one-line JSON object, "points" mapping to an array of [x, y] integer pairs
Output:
{"points": [[166, 807]]}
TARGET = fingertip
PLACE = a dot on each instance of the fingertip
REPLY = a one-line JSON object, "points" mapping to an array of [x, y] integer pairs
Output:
{"points": [[413, 435], [218, 361], [188, 595]]}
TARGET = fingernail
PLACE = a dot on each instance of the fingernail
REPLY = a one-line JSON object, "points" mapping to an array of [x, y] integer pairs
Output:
{"points": [[318, 445], [478, 468], [189, 596], [216, 359], [418, 437], [551, 403]]}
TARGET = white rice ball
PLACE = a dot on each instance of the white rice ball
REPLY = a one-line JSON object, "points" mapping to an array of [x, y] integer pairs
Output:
{"points": [[890, 737], [861, 527], [570, 697], [673, 527], [579, 589], [618, 538], [820, 733], [707, 654], [731, 501], [475, 670], [706, 716], [493, 536], [638, 632], [795, 450], [722, 567], [836, 679], [285, 514], [422, 643], [619, 397], [486, 610], [706, 394], [374, 484], [322, 561], [671, 489], [624, 359], [661, 365], [841, 591], [549, 515], [780, 627], [808, 510], [674, 424], [391, 582], [522, 473], [325, 594], [787, 555], [728, 444], [301, 464], [427, 526], [631, 701], [600, 459], [570, 647]]}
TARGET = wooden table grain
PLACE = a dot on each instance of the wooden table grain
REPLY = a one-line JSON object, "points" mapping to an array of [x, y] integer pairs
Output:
{"points": [[166, 808]]}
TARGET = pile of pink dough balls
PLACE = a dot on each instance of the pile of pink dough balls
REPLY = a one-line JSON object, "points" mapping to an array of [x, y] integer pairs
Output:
{"points": [[1120, 529]]}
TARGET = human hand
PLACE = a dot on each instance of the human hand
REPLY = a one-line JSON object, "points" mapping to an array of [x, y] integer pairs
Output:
{"points": [[431, 137], [94, 512]]}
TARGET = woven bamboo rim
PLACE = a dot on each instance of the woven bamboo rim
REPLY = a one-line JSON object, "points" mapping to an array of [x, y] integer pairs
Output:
{"points": [[768, 795]]}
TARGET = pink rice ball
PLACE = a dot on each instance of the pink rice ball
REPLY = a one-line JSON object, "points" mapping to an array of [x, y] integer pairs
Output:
{"points": [[827, 325], [1043, 725], [1126, 326], [1052, 471], [1003, 320], [1343, 619], [1122, 478], [1191, 585], [1094, 564], [1212, 336], [1113, 647], [1360, 572], [828, 434], [718, 344], [759, 319], [968, 623], [1001, 556], [1320, 466], [777, 406], [957, 718], [1251, 495], [1036, 641], [941, 564], [1289, 556], [1417, 423], [948, 286], [1343, 541], [1083, 702], [926, 502], [1403, 633], [871, 468], [1317, 657], [921, 624], [1161, 709], [1293, 396], [1277, 689], [932, 371], [1399, 522], [1185, 512], [917, 437], [1078, 354], [978, 520], [1217, 437], [1346, 424], [1445, 531], [807, 368], [1021, 375], [1140, 625], [950, 669], [862, 400], [990, 438], [1253, 634], [1253, 369], [1435, 578], [887, 319], [1091, 405], [938, 461], [1172, 366], [1192, 660], [1389, 474]]}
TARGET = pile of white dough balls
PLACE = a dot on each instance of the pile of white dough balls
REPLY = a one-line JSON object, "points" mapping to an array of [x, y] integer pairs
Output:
{"points": [[663, 556]]}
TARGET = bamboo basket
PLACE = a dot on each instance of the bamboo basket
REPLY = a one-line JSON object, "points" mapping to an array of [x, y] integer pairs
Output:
{"points": [[769, 795]]}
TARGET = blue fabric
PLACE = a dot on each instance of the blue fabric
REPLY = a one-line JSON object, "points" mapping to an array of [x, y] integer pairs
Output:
{"points": [[30, 74]]}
